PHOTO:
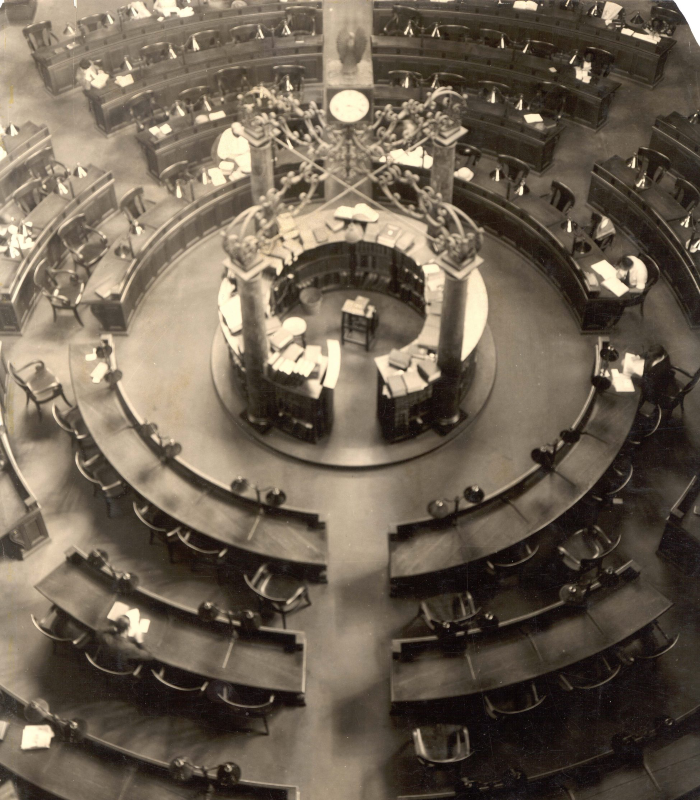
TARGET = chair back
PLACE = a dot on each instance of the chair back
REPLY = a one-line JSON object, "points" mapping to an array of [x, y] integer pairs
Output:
{"points": [[457, 608], [561, 197], [438, 80], [664, 20], [587, 547], [471, 154], [141, 105], [73, 232], [551, 97], [513, 700], [289, 77], [29, 195], [454, 33], [199, 687], [175, 175], [39, 35], [494, 38], [203, 40], [653, 165], [493, 91], [601, 61], [16, 377], [686, 390], [132, 204], [441, 744], [39, 165], [515, 169], [91, 23], [43, 279], [404, 78], [535, 47], [153, 53], [231, 79], [686, 194], [246, 33], [193, 97], [405, 21], [301, 20]]}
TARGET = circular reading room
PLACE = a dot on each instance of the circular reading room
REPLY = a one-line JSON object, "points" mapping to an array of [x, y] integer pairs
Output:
{"points": [[349, 429]]}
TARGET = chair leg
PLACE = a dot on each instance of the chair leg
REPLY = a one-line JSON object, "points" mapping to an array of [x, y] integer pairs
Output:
{"points": [[267, 727], [284, 620], [77, 316], [53, 308], [38, 409], [65, 399]]}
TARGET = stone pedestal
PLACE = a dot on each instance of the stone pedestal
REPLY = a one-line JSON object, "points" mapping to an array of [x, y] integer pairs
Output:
{"points": [[446, 391], [256, 347], [442, 173]]}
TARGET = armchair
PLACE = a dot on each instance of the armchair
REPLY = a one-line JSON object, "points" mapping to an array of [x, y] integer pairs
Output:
{"points": [[586, 549], [224, 695], [231, 79], [102, 476], [72, 423], [441, 745], [593, 673], [278, 592], [453, 610], [28, 196], [86, 244], [41, 386], [39, 35], [145, 111], [404, 21], [61, 287], [177, 178], [249, 32], [513, 700], [289, 77]]}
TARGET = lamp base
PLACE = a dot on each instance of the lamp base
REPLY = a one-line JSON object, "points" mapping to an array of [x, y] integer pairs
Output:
{"points": [[261, 426], [443, 427]]}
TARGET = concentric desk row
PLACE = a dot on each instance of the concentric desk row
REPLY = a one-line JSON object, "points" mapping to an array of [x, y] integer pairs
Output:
{"points": [[555, 638], [22, 527], [30, 141], [94, 197], [423, 553], [640, 60], [288, 536], [586, 103], [57, 64], [95, 768], [678, 139], [269, 658], [652, 218], [110, 105]]}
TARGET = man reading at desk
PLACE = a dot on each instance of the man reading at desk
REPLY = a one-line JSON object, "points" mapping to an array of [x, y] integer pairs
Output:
{"points": [[234, 147], [124, 650], [633, 273], [89, 75]]}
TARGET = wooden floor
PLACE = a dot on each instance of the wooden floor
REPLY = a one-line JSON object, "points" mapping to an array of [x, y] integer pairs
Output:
{"points": [[344, 744]]}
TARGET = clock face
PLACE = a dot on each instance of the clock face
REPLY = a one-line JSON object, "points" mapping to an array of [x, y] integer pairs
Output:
{"points": [[349, 106]]}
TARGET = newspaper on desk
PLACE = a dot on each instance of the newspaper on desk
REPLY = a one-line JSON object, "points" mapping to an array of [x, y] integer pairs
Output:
{"points": [[36, 737], [621, 382], [632, 365], [138, 626], [608, 273], [124, 80]]}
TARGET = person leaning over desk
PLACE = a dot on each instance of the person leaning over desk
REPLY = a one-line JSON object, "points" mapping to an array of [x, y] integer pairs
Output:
{"points": [[124, 651], [234, 147], [90, 74], [633, 273]]}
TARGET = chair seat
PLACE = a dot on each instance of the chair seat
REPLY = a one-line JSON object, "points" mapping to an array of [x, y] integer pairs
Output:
{"points": [[70, 290], [91, 253], [42, 382]]}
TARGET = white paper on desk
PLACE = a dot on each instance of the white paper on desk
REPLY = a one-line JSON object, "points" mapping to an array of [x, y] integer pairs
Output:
{"points": [[71, 45], [99, 372], [217, 115], [620, 382], [124, 80], [647, 37], [185, 12], [431, 269], [610, 11], [119, 609], [605, 269], [165, 129], [532, 118], [36, 737], [217, 176], [582, 75], [525, 5], [616, 286], [231, 311], [91, 356], [227, 166], [632, 365], [3, 153], [3, 730], [154, 131]]}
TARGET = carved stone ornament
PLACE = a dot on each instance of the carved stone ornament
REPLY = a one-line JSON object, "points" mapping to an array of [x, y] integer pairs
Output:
{"points": [[242, 252]]}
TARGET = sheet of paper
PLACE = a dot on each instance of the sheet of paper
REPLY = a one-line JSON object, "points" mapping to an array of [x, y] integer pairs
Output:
{"points": [[124, 80], [144, 626], [36, 737], [605, 269], [217, 176], [3, 153], [165, 129], [154, 131], [532, 118], [227, 166], [610, 11], [647, 37], [632, 365], [231, 312], [91, 356], [217, 115], [99, 372], [620, 382], [119, 609], [185, 12], [616, 286]]}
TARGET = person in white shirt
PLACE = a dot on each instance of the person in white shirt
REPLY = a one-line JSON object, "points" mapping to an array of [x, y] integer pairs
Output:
{"points": [[138, 10], [233, 146], [165, 8], [417, 157], [633, 273], [90, 74]]}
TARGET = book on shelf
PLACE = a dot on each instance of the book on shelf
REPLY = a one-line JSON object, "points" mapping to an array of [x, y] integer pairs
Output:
{"points": [[399, 359]]}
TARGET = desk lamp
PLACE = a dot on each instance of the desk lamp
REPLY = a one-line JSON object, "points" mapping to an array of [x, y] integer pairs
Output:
{"points": [[410, 29], [249, 620], [440, 509], [637, 19], [108, 20], [178, 110], [491, 97], [69, 30], [434, 32], [499, 174], [694, 118], [520, 104], [195, 45], [474, 494], [79, 172], [286, 30], [521, 188], [172, 55], [259, 32], [274, 497], [227, 775], [127, 63], [693, 244], [206, 105], [688, 221], [633, 162], [37, 712], [64, 187], [575, 58]]}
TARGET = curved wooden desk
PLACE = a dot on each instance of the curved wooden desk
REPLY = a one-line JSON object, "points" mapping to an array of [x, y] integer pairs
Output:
{"points": [[30, 140], [95, 768], [677, 138], [94, 197], [423, 552], [518, 655], [22, 526], [110, 105], [57, 64], [651, 217], [270, 659], [640, 60], [286, 535], [586, 103]]}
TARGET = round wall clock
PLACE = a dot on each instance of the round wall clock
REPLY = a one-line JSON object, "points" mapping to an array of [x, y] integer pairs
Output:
{"points": [[349, 106]]}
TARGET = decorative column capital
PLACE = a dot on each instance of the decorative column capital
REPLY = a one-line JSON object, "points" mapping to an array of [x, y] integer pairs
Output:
{"points": [[244, 257], [450, 136], [459, 255]]}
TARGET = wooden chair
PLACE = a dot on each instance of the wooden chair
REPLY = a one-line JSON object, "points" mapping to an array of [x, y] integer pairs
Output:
{"points": [[39, 35], [494, 38], [441, 745], [72, 423], [225, 696], [664, 20], [405, 79], [539, 49], [102, 476], [493, 91], [470, 154], [60, 629], [28, 196], [550, 99], [161, 527], [605, 241], [404, 21], [145, 111], [61, 287], [156, 52], [650, 643], [204, 552], [179, 682], [454, 33], [454, 609], [129, 672], [615, 478], [586, 549], [91, 23], [87, 245], [676, 395], [44, 166], [177, 179], [593, 673], [686, 194], [561, 197], [231, 79], [41, 386], [601, 61], [513, 700], [289, 77], [514, 171], [510, 560], [277, 592], [249, 32], [300, 21], [439, 80], [203, 40], [133, 205], [195, 98]]}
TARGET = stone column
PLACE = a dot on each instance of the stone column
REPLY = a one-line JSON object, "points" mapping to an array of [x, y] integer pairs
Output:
{"points": [[442, 173], [262, 172], [256, 347]]}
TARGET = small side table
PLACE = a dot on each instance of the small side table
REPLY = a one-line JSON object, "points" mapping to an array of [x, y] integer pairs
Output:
{"points": [[359, 323], [296, 327]]}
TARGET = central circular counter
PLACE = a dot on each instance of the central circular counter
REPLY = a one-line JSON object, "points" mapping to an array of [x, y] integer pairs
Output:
{"points": [[333, 415]]}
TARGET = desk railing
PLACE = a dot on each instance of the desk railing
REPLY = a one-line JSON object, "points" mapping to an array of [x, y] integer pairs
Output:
{"points": [[12, 166]]}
